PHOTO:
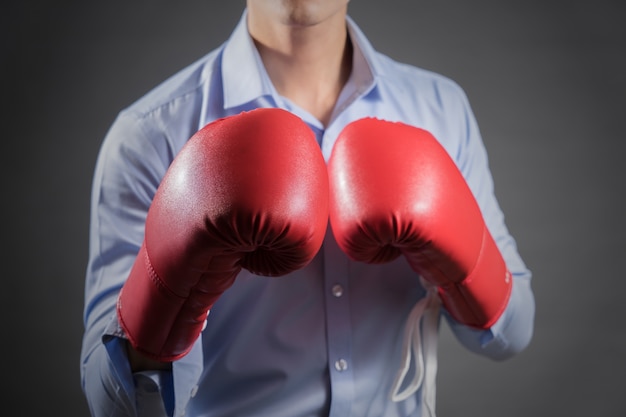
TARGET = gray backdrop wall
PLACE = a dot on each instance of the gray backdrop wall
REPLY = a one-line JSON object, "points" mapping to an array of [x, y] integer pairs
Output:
{"points": [[547, 81]]}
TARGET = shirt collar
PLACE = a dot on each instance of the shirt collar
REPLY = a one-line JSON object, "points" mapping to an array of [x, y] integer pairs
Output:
{"points": [[365, 66], [245, 78]]}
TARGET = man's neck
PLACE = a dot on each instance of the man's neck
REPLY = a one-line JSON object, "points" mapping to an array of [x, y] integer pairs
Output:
{"points": [[309, 65]]}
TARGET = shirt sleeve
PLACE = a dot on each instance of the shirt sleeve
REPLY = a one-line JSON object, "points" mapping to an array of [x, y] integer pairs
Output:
{"points": [[513, 330], [130, 165]]}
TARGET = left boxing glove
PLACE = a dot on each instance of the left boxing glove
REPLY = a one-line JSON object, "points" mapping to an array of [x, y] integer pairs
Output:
{"points": [[247, 191], [395, 190]]}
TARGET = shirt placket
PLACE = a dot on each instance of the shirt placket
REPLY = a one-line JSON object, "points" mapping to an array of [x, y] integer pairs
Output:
{"points": [[339, 343]]}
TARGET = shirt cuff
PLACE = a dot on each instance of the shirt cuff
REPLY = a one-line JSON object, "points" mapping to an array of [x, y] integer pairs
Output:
{"points": [[512, 331], [153, 390]]}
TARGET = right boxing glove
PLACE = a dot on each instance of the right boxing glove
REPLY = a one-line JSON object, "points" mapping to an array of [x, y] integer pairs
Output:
{"points": [[247, 191]]}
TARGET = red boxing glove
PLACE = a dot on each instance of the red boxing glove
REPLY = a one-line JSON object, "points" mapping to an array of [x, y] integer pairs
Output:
{"points": [[248, 191], [395, 190]]}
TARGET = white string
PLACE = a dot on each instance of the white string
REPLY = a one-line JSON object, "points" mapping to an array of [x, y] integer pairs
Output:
{"points": [[431, 323], [422, 352], [410, 349]]}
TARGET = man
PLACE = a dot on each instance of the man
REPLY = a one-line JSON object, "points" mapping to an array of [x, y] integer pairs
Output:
{"points": [[331, 334]]}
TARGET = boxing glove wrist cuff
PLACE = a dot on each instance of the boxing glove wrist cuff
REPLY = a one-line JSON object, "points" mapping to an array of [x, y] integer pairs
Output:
{"points": [[481, 298], [171, 328]]}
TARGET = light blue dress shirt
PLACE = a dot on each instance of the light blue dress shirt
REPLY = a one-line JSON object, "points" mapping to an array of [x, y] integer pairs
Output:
{"points": [[325, 340]]}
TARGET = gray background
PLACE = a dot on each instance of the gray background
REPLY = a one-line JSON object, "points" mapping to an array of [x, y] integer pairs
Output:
{"points": [[547, 83]]}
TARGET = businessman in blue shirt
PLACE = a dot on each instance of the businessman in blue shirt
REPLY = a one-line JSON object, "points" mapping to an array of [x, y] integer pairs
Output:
{"points": [[330, 333]]}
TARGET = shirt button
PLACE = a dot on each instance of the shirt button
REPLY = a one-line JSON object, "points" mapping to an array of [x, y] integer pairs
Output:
{"points": [[337, 290], [194, 391], [341, 365]]}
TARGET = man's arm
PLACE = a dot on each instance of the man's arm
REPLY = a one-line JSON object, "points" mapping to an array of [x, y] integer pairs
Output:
{"points": [[128, 171]]}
